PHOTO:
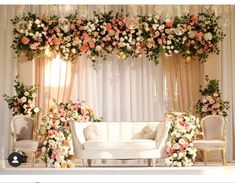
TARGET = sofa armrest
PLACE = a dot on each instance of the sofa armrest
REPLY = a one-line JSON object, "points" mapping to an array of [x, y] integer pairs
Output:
{"points": [[162, 136], [77, 137]]}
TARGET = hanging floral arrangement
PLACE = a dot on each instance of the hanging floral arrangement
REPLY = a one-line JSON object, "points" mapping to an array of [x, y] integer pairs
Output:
{"points": [[57, 150], [192, 35], [211, 101], [24, 100]]}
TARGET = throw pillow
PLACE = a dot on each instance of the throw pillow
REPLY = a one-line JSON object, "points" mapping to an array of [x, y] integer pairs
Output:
{"points": [[93, 132], [145, 133]]}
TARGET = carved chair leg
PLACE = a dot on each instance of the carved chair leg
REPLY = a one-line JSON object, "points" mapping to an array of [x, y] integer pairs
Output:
{"points": [[149, 162], [89, 162], [205, 157], [154, 162], [84, 162], [223, 155], [33, 158]]}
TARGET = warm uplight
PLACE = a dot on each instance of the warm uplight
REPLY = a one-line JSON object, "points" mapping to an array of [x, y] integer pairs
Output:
{"points": [[57, 73]]}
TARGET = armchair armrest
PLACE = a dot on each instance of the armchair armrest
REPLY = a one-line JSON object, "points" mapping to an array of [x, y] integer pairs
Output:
{"points": [[162, 136]]}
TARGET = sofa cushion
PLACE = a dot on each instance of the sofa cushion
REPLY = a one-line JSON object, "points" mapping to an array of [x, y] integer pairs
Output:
{"points": [[93, 132], [130, 144], [145, 133]]}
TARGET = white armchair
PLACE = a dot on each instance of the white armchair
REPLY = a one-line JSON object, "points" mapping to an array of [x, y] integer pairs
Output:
{"points": [[22, 131], [213, 128]]}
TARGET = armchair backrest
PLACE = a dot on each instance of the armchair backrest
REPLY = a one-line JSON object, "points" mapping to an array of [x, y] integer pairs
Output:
{"points": [[22, 127], [213, 127]]}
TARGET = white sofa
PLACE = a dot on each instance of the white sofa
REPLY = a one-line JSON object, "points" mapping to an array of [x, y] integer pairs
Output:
{"points": [[119, 140]]}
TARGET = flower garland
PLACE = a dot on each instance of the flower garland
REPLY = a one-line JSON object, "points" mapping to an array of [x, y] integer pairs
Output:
{"points": [[24, 100], [179, 148], [57, 150], [211, 102], [192, 35]]}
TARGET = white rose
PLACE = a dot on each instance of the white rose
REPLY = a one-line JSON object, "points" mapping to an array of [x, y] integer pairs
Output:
{"points": [[168, 42], [43, 149], [26, 93], [204, 100], [176, 51], [37, 21], [98, 48], [73, 50], [208, 36], [175, 155], [57, 164], [36, 109], [23, 99]]}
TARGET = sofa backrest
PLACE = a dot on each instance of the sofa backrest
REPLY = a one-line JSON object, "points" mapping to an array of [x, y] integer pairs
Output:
{"points": [[118, 131]]}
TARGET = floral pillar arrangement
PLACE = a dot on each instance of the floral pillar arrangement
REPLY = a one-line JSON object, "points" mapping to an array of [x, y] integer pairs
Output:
{"points": [[179, 147], [211, 102], [24, 100], [57, 150]]}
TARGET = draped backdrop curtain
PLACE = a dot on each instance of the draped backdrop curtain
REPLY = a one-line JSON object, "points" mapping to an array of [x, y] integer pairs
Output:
{"points": [[131, 90], [181, 83]]}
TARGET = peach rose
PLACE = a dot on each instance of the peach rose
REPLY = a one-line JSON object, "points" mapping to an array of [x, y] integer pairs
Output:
{"points": [[56, 41], [34, 46], [83, 48], [25, 40], [75, 42], [85, 36], [169, 23], [68, 38], [66, 142], [108, 26]]}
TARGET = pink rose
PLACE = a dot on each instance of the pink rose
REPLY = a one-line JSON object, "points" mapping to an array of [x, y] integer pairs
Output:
{"points": [[167, 31], [92, 45], [72, 26], [78, 22], [110, 48], [159, 40], [25, 40], [40, 39]]}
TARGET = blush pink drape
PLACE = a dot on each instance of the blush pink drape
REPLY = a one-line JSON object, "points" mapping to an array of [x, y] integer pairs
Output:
{"points": [[181, 82], [54, 79]]}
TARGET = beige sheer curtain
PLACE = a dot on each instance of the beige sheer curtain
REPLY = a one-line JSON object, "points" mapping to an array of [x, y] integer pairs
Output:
{"points": [[54, 77], [181, 82]]}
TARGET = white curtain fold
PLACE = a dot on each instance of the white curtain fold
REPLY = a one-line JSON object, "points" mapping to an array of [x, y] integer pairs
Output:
{"points": [[228, 75], [129, 90]]}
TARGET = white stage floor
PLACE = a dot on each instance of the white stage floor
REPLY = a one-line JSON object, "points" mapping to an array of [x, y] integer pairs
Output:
{"points": [[123, 169]]}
